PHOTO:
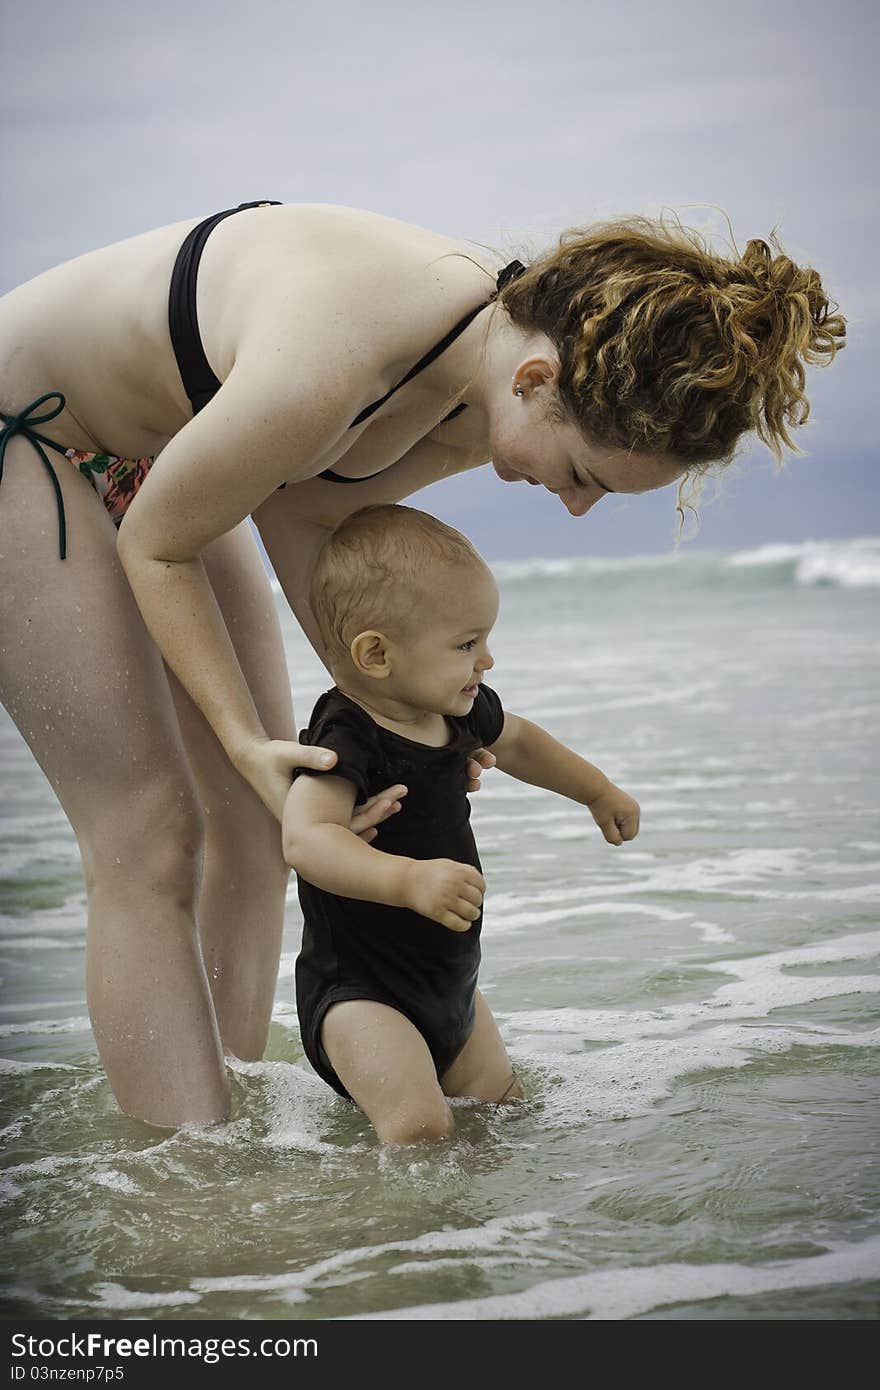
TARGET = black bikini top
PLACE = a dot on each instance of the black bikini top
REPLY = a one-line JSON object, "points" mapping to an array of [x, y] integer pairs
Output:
{"points": [[199, 380]]}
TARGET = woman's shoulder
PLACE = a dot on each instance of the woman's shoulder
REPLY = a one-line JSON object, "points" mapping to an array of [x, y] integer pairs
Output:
{"points": [[365, 273]]}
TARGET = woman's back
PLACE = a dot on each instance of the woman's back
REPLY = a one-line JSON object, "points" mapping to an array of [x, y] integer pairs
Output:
{"points": [[96, 327]]}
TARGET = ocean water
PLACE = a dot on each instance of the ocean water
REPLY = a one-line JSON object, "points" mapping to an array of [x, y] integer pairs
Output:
{"points": [[695, 1014]]}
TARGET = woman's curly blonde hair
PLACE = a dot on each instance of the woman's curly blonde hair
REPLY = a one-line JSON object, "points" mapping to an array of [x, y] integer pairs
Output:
{"points": [[668, 347]]}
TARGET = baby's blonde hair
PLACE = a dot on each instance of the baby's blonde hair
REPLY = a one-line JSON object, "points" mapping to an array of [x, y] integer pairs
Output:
{"points": [[377, 571]]}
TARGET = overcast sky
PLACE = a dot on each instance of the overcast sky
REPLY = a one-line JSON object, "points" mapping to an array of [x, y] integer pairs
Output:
{"points": [[501, 123]]}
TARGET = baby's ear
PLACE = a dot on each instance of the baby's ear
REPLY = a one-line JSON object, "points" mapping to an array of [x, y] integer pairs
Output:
{"points": [[370, 656]]}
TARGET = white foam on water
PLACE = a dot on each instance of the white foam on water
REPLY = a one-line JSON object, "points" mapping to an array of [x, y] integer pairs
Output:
{"points": [[117, 1182], [850, 564], [287, 966], [618, 909], [38, 1004], [34, 943], [772, 554], [738, 874], [527, 917], [858, 893], [629, 1080], [503, 1235], [835, 869], [849, 571], [630, 1076], [285, 1015], [762, 987], [295, 1103], [69, 918], [507, 920], [52, 1165], [615, 1294], [709, 931], [110, 1295], [54, 1025], [841, 712], [11, 1067], [485, 1262], [510, 571]]}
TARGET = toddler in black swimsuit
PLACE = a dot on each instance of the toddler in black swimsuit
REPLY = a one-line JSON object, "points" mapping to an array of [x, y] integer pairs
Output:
{"points": [[386, 981]]}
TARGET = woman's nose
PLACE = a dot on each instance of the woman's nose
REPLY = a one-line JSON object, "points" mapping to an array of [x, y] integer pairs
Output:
{"points": [[578, 501]]}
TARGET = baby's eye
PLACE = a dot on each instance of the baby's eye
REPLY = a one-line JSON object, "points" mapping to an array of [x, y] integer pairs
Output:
{"points": [[468, 646]]}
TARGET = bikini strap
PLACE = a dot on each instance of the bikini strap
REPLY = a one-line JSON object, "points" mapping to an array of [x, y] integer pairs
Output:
{"points": [[510, 272], [23, 423], [199, 380]]}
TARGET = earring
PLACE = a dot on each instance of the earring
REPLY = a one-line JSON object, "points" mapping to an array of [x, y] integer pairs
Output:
{"points": [[518, 391]]}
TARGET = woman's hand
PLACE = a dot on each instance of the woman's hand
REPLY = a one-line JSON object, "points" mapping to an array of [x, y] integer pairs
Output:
{"points": [[379, 807], [268, 766], [481, 760]]}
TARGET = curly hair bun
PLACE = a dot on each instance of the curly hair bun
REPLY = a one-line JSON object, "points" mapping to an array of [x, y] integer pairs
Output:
{"points": [[668, 347]]}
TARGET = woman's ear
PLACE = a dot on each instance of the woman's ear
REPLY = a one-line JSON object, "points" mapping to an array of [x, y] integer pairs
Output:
{"points": [[540, 369]]}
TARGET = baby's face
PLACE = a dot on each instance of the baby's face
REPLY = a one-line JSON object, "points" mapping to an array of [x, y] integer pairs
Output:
{"points": [[440, 667]]}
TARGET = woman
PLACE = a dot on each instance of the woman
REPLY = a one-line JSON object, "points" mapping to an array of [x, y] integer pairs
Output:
{"points": [[305, 361]]}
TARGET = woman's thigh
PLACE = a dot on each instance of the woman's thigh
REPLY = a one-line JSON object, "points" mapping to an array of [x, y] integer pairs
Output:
{"points": [[79, 673]]}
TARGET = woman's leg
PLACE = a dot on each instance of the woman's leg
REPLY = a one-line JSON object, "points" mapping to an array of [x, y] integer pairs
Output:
{"points": [[86, 686], [244, 877]]}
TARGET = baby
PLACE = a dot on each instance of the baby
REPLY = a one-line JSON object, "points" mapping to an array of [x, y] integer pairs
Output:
{"points": [[386, 981]]}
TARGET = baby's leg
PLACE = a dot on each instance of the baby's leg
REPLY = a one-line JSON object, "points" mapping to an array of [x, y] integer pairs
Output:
{"points": [[482, 1069], [384, 1063]]}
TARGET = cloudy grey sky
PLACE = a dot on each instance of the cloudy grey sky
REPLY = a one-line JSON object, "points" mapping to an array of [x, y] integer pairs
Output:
{"points": [[502, 123]]}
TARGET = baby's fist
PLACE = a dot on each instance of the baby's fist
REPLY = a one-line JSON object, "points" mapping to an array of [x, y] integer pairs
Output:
{"points": [[444, 891], [616, 814]]}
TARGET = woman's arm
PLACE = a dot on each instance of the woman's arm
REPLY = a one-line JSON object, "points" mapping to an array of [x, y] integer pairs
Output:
{"points": [[259, 429], [529, 753]]}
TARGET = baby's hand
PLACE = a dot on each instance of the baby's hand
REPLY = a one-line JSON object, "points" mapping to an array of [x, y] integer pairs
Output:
{"points": [[448, 893], [616, 814], [478, 763]]}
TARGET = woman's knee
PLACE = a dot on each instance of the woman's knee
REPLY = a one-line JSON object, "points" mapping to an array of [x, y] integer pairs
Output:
{"points": [[152, 839]]}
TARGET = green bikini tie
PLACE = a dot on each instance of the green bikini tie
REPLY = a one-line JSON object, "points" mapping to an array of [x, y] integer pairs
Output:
{"points": [[23, 424]]}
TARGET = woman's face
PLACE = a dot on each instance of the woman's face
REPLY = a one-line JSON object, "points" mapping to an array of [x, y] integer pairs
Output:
{"points": [[528, 447], [558, 458]]}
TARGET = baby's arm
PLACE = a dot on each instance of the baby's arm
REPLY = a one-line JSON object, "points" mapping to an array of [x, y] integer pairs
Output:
{"points": [[319, 845], [529, 753]]}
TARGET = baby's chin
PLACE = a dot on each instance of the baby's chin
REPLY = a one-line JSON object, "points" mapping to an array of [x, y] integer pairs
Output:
{"points": [[459, 704]]}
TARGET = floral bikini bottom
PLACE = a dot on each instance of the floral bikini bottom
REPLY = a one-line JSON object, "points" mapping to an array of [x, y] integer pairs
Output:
{"points": [[115, 480]]}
